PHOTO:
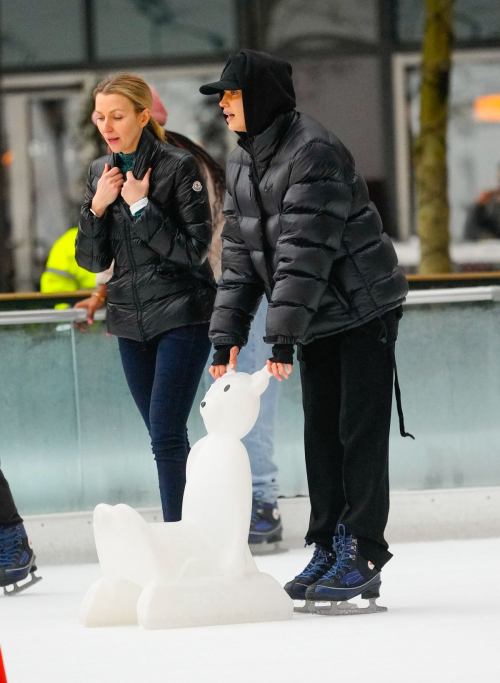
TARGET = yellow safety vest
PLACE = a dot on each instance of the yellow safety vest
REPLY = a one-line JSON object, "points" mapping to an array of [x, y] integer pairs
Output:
{"points": [[62, 272]]}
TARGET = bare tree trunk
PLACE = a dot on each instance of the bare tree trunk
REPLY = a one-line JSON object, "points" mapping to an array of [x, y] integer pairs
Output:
{"points": [[431, 171]]}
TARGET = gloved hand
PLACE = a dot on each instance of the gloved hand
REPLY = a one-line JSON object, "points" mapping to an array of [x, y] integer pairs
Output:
{"points": [[282, 353], [280, 365], [223, 355]]}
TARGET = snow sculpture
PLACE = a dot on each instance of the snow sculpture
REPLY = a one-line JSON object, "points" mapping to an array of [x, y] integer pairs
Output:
{"points": [[199, 571]]}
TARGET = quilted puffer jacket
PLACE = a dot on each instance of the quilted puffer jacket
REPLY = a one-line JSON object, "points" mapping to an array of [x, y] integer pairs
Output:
{"points": [[300, 229], [162, 278]]}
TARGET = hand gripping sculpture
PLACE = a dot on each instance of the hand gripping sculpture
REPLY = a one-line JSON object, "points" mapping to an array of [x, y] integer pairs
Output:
{"points": [[194, 572]]}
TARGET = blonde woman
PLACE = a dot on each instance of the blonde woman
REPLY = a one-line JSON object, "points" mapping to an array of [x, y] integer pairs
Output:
{"points": [[146, 207]]}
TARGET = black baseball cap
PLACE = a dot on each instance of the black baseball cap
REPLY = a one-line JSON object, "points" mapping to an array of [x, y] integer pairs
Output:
{"points": [[228, 81]]}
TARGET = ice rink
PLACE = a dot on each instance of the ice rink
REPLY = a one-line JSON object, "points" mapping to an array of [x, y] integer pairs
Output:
{"points": [[443, 625]]}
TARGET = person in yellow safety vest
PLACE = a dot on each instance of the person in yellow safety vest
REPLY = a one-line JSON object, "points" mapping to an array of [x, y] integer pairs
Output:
{"points": [[62, 272]]}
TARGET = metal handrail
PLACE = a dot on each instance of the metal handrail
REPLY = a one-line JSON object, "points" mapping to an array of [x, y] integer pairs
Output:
{"points": [[419, 297], [50, 315], [454, 295]]}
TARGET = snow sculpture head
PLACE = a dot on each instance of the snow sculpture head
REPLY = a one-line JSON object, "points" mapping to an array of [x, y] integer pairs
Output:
{"points": [[232, 403]]}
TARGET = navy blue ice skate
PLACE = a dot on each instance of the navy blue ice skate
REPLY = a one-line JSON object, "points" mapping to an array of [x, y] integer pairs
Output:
{"points": [[265, 523], [352, 575], [321, 562], [17, 559]]}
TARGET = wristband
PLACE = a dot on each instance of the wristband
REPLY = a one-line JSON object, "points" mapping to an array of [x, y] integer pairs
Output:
{"points": [[99, 297]]}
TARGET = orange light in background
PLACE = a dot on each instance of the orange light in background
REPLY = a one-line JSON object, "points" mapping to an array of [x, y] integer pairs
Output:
{"points": [[487, 108], [7, 158]]}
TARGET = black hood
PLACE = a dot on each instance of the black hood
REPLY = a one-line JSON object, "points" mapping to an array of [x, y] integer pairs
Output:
{"points": [[266, 84]]}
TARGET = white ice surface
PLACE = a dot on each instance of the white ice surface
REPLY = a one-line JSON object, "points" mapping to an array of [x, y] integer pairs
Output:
{"points": [[443, 625]]}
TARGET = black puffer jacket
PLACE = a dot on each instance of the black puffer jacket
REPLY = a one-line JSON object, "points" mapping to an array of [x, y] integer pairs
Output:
{"points": [[161, 278], [299, 226]]}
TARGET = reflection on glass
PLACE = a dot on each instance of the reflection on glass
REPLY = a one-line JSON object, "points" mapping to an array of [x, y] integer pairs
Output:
{"points": [[154, 28], [35, 32]]}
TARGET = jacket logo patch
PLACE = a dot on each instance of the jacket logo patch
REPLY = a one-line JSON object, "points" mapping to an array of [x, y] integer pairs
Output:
{"points": [[197, 186]]}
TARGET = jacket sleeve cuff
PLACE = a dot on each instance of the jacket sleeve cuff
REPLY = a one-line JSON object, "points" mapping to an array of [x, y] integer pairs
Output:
{"points": [[138, 206], [221, 355], [282, 353], [280, 339]]}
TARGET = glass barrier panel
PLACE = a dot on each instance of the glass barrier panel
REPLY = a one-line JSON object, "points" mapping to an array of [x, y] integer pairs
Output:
{"points": [[71, 436], [117, 461], [39, 435]]}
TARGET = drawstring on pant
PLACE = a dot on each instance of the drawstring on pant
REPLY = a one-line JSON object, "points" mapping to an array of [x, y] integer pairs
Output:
{"points": [[397, 391]]}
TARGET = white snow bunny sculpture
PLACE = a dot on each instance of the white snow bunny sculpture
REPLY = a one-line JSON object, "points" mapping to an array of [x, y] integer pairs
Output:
{"points": [[199, 571]]}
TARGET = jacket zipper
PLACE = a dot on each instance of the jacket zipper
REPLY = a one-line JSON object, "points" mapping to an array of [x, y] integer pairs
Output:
{"points": [[134, 274]]}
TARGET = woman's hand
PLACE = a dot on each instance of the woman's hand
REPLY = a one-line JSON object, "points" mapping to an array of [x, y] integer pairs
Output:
{"points": [[219, 370], [279, 370], [108, 189], [134, 189], [92, 304]]}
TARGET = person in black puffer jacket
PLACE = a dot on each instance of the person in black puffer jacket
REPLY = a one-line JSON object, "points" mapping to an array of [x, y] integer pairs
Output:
{"points": [[301, 230], [146, 207]]}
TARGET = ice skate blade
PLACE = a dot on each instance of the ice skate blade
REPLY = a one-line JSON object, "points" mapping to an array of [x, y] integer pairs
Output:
{"points": [[338, 609], [19, 588]]}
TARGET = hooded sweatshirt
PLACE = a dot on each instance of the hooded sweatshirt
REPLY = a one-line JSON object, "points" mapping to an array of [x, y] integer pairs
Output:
{"points": [[267, 91], [267, 88]]}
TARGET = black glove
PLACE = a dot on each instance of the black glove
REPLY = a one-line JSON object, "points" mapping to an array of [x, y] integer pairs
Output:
{"points": [[282, 353], [221, 355]]}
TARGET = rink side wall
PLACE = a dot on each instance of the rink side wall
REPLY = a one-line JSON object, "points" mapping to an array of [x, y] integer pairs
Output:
{"points": [[435, 515]]}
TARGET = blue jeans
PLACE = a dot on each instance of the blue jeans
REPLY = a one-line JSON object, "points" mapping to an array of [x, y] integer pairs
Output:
{"points": [[260, 441], [163, 375]]}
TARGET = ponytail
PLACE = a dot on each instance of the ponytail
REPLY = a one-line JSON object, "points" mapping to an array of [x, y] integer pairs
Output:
{"points": [[154, 127]]}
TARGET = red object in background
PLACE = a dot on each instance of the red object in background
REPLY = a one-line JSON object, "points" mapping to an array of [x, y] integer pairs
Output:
{"points": [[159, 112], [3, 677]]}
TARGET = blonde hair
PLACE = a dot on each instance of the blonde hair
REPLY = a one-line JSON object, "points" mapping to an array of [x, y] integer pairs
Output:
{"points": [[137, 91]]}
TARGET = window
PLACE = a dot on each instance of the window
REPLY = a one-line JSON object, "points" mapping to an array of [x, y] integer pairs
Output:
{"points": [[41, 32], [162, 28], [473, 146], [299, 25], [478, 20]]}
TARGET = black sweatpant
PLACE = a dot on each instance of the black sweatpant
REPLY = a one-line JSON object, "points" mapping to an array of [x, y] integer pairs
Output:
{"points": [[9, 515], [347, 384]]}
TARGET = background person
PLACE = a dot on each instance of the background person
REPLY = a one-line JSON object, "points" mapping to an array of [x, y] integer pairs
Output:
{"points": [[62, 273], [17, 559], [483, 220]]}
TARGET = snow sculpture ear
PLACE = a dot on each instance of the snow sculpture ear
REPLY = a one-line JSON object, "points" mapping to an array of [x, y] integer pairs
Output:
{"points": [[260, 380]]}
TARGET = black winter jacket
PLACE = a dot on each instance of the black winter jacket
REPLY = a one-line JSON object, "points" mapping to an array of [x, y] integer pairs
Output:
{"points": [[161, 278], [301, 229]]}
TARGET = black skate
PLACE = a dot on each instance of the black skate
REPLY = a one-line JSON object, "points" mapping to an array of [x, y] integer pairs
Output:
{"points": [[265, 526], [350, 577], [17, 560], [321, 562]]}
